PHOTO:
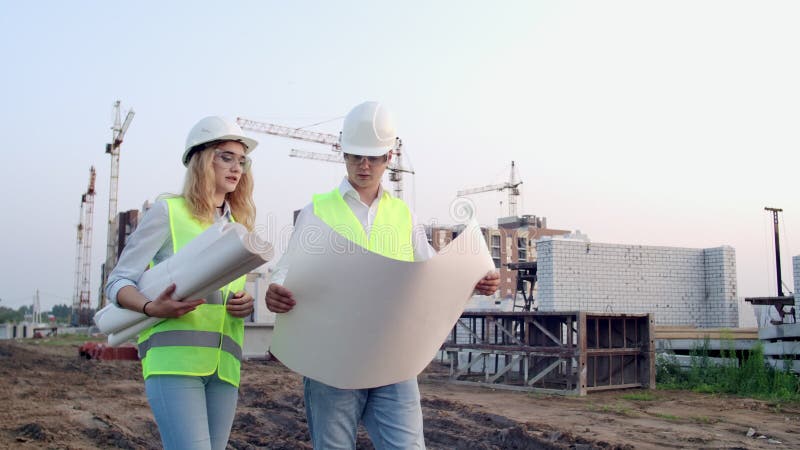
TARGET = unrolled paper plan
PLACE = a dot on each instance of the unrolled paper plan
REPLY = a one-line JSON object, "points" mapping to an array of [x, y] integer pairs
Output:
{"points": [[363, 320], [219, 255]]}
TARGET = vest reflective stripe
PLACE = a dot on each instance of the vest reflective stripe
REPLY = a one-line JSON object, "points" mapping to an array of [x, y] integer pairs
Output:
{"points": [[190, 339], [178, 346], [216, 298], [390, 234]]}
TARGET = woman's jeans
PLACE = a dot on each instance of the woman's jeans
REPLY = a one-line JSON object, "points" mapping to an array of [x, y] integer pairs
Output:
{"points": [[192, 412], [391, 414]]}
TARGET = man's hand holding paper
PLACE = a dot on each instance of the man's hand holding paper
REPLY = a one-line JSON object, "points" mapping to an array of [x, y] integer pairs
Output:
{"points": [[240, 304]]}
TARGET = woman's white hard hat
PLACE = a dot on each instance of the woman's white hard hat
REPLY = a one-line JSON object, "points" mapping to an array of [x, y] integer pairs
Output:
{"points": [[215, 128], [368, 130]]}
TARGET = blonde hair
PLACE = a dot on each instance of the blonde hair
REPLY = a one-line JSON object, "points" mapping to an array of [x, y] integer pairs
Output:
{"points": [[200, 185]]}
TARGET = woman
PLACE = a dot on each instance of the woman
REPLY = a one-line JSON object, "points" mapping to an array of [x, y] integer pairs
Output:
{"points": [[191, 360]]}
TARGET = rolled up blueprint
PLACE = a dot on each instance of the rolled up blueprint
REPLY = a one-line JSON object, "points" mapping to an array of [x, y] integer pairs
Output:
{"points": [[213, 259], [112, 318]]}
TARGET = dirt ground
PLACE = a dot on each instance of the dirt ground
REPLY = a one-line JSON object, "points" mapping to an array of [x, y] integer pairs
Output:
{"points": [[53, 399]]}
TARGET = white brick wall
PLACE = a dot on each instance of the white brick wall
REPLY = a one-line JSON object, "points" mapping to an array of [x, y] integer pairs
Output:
{"points": [[721, 295], [682, 286]]}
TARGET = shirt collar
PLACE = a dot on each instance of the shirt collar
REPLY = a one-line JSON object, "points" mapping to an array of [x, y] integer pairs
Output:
{"points": [[345, 189], [226, 210]]}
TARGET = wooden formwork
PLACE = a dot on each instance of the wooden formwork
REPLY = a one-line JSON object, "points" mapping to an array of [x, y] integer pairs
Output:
{"points": [[559, 352]]}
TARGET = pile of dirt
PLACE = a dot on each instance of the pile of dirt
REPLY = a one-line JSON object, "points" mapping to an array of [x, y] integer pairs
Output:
{"points": [[53, 399]]}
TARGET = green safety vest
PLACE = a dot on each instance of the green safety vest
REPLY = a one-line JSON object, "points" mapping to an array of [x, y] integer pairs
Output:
{"points": [[200, 342], [390, 235]]}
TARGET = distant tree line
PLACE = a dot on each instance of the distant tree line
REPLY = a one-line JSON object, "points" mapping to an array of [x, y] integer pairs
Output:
{"points": [[60, 312]]}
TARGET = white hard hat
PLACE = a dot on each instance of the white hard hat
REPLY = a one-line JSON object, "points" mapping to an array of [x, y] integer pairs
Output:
{"points": [[214, 128], [368, 130]]}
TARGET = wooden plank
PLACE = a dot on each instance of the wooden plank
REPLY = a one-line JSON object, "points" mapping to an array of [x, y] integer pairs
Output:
{"points": [[582, 358], [713, 344], [512, 387], [670, 332], [548, 334], [504, 349], [650, 365], [505, 331], [613, 351], [544, 372], [786, 300], [614, 387], [459, 322], [465, 370], [505, 369]]}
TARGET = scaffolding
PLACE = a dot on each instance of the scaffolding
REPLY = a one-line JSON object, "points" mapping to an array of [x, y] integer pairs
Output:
{"points": [[555, 352]]}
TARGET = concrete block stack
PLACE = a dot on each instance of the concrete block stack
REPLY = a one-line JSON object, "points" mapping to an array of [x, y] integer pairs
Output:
{"points": [[721, 302]]}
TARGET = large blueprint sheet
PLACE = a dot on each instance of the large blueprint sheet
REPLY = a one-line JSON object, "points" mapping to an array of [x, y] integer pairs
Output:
{"points": [[363, 320]]}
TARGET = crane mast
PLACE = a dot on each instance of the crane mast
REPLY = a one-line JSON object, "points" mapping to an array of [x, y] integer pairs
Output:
{"points": [[78, 267], [512, 185], [117, 135], [396, 168], [81, 306], [37, 308]]}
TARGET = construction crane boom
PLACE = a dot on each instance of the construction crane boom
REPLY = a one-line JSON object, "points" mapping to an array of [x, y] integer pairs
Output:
{"points": [[292, 133], [492, 187], [294, 153], [396, 168], [512, 185]]}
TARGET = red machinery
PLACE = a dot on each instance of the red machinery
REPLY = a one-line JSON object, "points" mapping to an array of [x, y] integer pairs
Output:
{"points": [[104, 352]]}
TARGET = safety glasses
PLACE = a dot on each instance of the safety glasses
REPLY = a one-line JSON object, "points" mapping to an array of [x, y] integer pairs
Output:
{"points": [[228, 160], [358, 159]]}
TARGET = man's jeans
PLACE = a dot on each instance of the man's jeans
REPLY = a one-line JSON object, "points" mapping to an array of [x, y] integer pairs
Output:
{"points": [[391, 414], [192, 413]]}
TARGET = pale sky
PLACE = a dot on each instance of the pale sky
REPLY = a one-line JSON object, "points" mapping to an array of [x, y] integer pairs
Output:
{"points": [[635, 122]]}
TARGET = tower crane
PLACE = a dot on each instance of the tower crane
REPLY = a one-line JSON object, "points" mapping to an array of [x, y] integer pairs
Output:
{"points": [[511, 185], [117, 135], [396, 168], [83, 274], [37, 309], [78, 267]]}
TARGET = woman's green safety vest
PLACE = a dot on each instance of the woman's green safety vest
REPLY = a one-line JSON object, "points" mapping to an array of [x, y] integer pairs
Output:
{"points": [[390, 235], [200, 342]]}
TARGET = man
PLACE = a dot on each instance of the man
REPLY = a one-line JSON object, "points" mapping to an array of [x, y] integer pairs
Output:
{"points": [[361, 211]]}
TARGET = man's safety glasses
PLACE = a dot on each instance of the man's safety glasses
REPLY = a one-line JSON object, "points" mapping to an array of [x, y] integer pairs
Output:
{"points": [[358, 159]]}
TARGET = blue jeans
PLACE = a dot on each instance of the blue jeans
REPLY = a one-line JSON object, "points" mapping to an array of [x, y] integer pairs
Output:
{"points": [[192, 412], [391, 414]]}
